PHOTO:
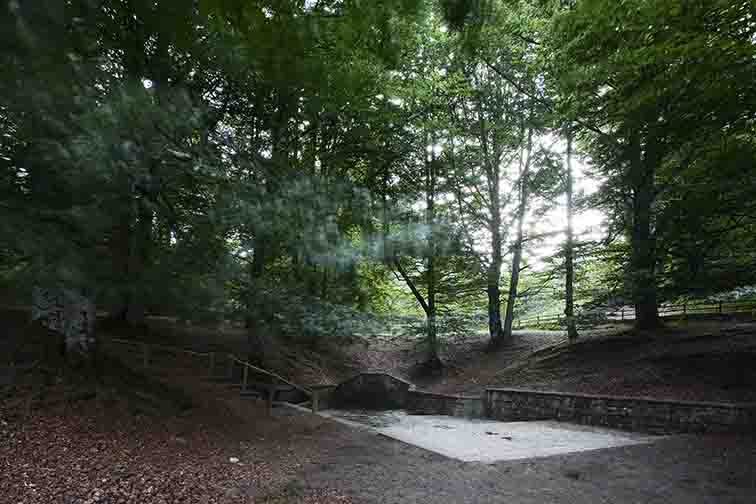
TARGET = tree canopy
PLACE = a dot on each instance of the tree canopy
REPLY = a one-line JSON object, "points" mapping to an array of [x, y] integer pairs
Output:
{"points": [[305, 166]]}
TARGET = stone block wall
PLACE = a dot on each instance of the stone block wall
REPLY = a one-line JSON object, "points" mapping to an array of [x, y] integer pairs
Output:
{"points": [[655, 416], [635, 414], [426, 403]]}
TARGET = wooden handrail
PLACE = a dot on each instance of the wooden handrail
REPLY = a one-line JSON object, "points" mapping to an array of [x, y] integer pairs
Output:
{"points": [[271, 374], [158, 345], [231, 356]]}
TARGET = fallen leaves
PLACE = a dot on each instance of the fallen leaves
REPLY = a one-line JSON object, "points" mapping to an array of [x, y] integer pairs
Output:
{"points": [[53, 458], [91, 456]]}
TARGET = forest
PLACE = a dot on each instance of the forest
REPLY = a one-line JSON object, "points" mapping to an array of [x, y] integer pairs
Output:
{"points": [[311, 169]]}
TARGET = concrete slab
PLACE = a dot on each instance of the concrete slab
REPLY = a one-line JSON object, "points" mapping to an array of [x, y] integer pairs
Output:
{"points": [[487, 440]]}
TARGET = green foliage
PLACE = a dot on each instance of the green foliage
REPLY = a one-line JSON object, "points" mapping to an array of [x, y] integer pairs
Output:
{"points": [[282, 160], [642, 72]]}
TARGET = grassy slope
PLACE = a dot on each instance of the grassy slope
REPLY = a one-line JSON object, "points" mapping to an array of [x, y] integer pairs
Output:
{"points": [[705, 360]]}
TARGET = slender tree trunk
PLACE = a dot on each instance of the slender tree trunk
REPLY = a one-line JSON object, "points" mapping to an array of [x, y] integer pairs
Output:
{"points": [[120, 249], [495, 330], [255, 273], [135, 235], [514, 278], [643, 250], [494, 311], [257, 322], [430, 220], [428, 302], [324, 283], [569, 290], [388, 254], [136, 228], [139, 258]]}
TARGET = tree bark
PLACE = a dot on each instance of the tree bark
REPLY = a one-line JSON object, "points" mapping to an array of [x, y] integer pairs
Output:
{"points": [[643, 239], [135, 235], [495, 330], [493, 275], [257, 319], [430, 220], [514, 278], [138, 261], [428, 302], [254, 321], [569, 289]]}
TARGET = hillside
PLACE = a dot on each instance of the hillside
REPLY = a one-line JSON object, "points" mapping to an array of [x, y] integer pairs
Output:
{"points": [[705, 361]]}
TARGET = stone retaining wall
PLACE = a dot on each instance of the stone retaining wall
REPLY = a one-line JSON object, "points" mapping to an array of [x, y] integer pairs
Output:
{"points": [[655, 416], [628, 413], [426, 403]]}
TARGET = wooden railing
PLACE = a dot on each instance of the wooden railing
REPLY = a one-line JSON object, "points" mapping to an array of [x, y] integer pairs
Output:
{"points": [[274, 380], [665, 311]]}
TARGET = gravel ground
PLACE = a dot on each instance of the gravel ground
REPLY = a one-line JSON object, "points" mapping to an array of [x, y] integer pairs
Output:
{"points": [[476, 440], [370, 468]]}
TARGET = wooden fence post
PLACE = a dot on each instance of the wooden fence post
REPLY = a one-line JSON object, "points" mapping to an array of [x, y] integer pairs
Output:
{"points": [[211, 371], [622, 314], [271, 394], [245, 375], [315, 401], [720, 307], [230, 370], [145, 355]]}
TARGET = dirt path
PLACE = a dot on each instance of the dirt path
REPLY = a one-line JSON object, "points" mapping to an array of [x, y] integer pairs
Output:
{"points": [[374, 469]]}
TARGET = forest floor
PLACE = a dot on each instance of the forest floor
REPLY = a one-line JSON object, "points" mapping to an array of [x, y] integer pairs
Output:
{"points": [[174, 438], [226, 449], [177, 438]]}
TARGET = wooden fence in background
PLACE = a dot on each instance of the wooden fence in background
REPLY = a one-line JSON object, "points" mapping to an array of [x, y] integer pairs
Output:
{"points": [[665, 311]]}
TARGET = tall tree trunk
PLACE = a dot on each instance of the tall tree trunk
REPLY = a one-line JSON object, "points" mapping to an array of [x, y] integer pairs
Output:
{"points": [[324, 283], [134, 234], [427, 303], [493, 276], [643, 239], [258, 319], [433, 362], [430, 221], [388, 254], [139, 258], [514, 278], [569, 290], [135, 230]]}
